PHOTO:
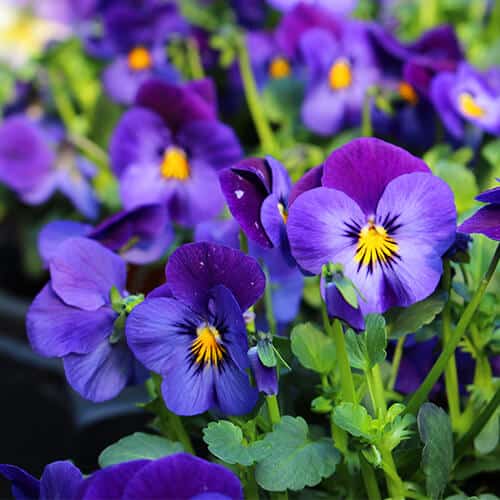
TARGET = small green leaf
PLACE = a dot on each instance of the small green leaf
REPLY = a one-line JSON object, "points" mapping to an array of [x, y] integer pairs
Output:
{"points": [[266, 353], [356, 349], [373, 455], [293, 461], [354, 419], [138, 446], [225, 441], [313, 348], [401, 321], [376, 339], [487, 440], [437, 456], [347, 290], [321, 404]]}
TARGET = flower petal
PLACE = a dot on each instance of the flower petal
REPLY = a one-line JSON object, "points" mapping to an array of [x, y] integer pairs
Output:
{"points": [[485, 221], [24, 485], [60, 481]]}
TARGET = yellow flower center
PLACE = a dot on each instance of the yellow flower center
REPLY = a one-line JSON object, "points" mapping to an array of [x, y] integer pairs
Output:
{"points": [[340, 74], [374, 245], [279, 68], [206, 348], [469, 107], [139, 59], [283, 212], [175, 164], [407, 92]]}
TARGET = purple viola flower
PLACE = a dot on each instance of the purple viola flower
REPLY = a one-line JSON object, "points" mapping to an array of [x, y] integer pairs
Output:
{"points": [[266, 378], [250, 14], [380, 213], [75, 318], [221, 231], [140, 236], [197, 340], [60, 480], [343, 7], [340, 73], [168, 149], [487, 219], [35, 162], [468, 97], [173, 477], [135, 36]]}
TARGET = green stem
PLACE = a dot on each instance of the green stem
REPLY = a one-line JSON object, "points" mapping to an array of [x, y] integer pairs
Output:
{"points": [[396, 361], [268, 301], [450, 373], [273, 409], [346, 381], [194, 59], [266, 137], [90, 149], [176, 423], [423, 391], [369, 479], [366, 119], [478, 425], [251, 488]]}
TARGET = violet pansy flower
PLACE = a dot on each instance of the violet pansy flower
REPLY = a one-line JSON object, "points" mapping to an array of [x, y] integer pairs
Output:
{"points": [[380, 213], [60, 480], [75, 318], [35, 162], [178, 476], [487, 219], [343, 7], [197, 340], [468, 97], [140, 236], [168, 148], [340, 72]]}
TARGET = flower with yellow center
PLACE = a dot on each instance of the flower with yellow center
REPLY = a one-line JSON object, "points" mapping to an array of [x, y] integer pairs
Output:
{"points": [[206, 347], [375, 246], [283, 212], [279, 68], [139, 59], [469, 107], [175, 164], [340, 74], [407, 92]]}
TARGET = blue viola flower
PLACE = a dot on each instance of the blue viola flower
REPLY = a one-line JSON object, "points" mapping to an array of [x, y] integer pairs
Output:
{"points": [[168, 148], [197, 340], [380, 213], [140, 236], [75, 317], [59, 480], [178, 476], [340, 71], [35, 161], [468, 96]]}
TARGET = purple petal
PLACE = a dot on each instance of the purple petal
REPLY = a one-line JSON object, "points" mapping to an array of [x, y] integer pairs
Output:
{"points": [[24, 485], [310, 180], [41, 192], [110, 482], [182, 476], [316, 227], [140, 137], [363, 168], [440, 96], [56, 329], [485, 221], [343, 7], [266, 378], [194, 269], [158, 96], [147, 251], [56, 232], [60, 481], [160, 332], [161, 291], [281, 182], [83, 273], [490, 196], [221, 231], [272, 221], [338, 308], [101, 374]]}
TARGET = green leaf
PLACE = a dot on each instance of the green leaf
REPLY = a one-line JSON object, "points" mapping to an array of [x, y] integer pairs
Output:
{"points": [[313, 348], [266, 353], [356, 349], [347, 290], [401, 321], [138, 446], [225, 441], [354, 419], [281, 99], [487, 440], [293, 461], [435, 432]]}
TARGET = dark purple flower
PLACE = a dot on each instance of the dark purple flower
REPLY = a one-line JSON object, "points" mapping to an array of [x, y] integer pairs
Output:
{"points": [[266, 378], [168, 149], [59, 481], [197, 341], [340, 73], [35, 163], [73, 318], [140, 236], [487, 219], [380, 213], [467, 96], [179, 476], [337, 7]]}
